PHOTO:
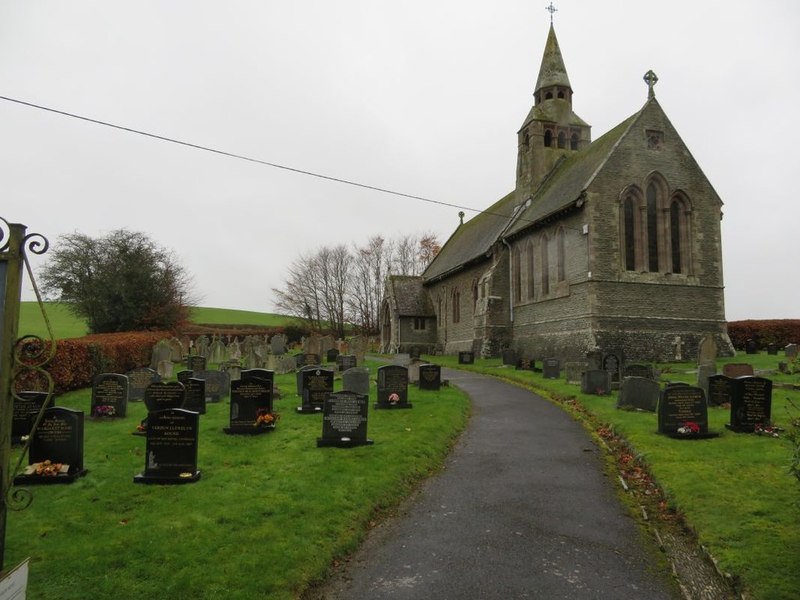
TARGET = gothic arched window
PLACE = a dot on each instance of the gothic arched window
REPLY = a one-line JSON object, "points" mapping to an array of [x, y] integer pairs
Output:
{"points": [[548, 138], [573, 142], [652, 228], [561, 267], [545, 266], [456, 306], [531, 268], [516, 262], [630, 211], [562, 139]]}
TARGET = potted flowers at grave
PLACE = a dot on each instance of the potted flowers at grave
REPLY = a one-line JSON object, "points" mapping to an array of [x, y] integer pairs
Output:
{"points": [[103, 410], [689, 428], [266, 419]]}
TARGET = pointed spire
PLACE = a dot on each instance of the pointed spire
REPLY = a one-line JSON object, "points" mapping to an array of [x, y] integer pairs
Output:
{"points": [[552, 71]]}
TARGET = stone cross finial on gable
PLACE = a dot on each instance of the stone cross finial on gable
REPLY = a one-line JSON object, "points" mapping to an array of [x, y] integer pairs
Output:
{"points": [[651, 79], [551, 9]]}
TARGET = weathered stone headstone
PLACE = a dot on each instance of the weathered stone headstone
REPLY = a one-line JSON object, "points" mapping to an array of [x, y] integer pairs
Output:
{"points": [[705, 371], [165, 369], [707, 350], [683, 413], [751, 404], [326, 343], [551, 368], [217, 352], [251, 407], [466, 357], [27, 405], [176, 350], [525, 364], [734, 370], [313, 345], [596, 381], [138, 380], [772, 349], [235, 349], [344, 421], [195, 399], [356, 380], [509, 357], [639, 370], [358, 346], [165, 395], [171, 448], [402, 359], [720, 390], [277, 344], [109, 395], [639, 393], [393, 387], [317, 385], [196, 363], [573, 372], [59, 440], [161, 352], [594, 360], [201, 345], [430, 377], [217, 384], [790, 350], [612, 362]]}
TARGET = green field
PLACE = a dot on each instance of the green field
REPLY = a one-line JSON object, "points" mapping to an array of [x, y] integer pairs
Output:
{"points": [[66, 325]]}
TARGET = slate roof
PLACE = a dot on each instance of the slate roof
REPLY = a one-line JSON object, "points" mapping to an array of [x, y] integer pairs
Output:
{"points": [[412, 301], [565, 184]]}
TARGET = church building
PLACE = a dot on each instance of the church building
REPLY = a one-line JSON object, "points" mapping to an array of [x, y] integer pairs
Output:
{"points": [[612, 244]]}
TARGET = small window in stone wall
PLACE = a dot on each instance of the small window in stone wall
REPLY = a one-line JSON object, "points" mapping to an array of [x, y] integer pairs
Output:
{"points": [[562, 139], [655, 139], [419, 323], [573, 142], [548, 138], [456, 306]]}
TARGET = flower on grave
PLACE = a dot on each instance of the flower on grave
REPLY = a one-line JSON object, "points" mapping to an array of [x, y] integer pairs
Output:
{"points": [[103, 410], [394, 398], [688, 428], [766, 429], [48, 468], [264, 418]]}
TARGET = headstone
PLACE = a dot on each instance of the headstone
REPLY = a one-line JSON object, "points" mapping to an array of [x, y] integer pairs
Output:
{"points": [[161, 352], [551, 368], [317, 385], [310, 358], [413, 372], [466, 358], [683, 413], [277, 344], [720, 390], [735, 370], [176, 350], [109, 395], [138, 380], [299, 378], [184, 376], [196, 363], [251, 407], [217, 352], [356, 380], [751, 404], [402, 359], [678, 348], [509, 357], [346, 361], [195, 395], [358, 346], [201, 346], [638, 393], [594, 360], [526, 364], [430, 377], [344, 421], [165, 395], [58, 440], [298, 360], [331, 355], [326, 343], [790, 350], [612, 362], [217, 384], [234, 371], [260, 374], [705, 371], [393, 387], [235, 350], [639, 370], [415, 353], [165, 369], [772, 349], [171, 448], [313, 345], [707, 350], [27, 405], [574, 371], [596, 381], [751, 347]]}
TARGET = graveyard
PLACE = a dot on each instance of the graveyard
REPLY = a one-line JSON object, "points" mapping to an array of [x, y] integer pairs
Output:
{"points": [[267, 517], [734, 492]]}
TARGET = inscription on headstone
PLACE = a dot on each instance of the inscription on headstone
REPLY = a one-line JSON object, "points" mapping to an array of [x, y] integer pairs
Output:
{"points": [[160, 396], [171, 448], [251, 407], [430, 377], [27, 405], [683, 413], [638, 393], [393, 387], [138, 380], [109, 395], [317, 385], [551, 368], [346, 361], [466, 358], [196, 363], [56, 451], [195, 395], [720, 390], [751, 404]]}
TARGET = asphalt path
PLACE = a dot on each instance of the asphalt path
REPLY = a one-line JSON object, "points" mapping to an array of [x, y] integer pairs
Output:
{"points": [[521, 510]]}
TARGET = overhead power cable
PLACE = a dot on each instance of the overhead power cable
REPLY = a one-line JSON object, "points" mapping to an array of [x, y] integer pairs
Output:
{"points": [[164, 138]]}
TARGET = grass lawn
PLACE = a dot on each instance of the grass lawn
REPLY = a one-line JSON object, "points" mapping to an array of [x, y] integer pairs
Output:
{"points": [[735, 490], [224, 316], [266, 520]]}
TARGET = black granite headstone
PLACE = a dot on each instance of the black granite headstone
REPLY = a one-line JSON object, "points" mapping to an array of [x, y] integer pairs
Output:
{"points": [[262, 374], [430, 377], [346, 361], [415, 353], [331, 355], [196, 363], [751, 404], [251, 407], [393, 387], [596, 381], [57, 440], [356, 380], [551, 368], [509, 357], [160, 396], [465, 358], [184, 376], [27, 405], [217, 384], [344, 422], [171, 449], [300, 379], [683, 413], [317, 386], [639, 393], [720, 390], [195, 395], [751, 347], [138, 380], [109, 395]]}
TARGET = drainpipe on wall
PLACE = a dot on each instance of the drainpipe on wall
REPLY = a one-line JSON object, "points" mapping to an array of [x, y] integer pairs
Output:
{"points": [[510, 283]]}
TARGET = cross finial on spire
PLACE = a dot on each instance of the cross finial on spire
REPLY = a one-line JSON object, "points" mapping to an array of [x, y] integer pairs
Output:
{"points": [[551, 9], [651, 79]]}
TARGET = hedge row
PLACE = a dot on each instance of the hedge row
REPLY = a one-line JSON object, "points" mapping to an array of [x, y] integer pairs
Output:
{"points": [[78, 360], [775, 331]]}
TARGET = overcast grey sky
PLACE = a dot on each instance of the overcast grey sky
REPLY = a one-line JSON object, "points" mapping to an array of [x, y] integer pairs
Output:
{"points": [[422, 97]]}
